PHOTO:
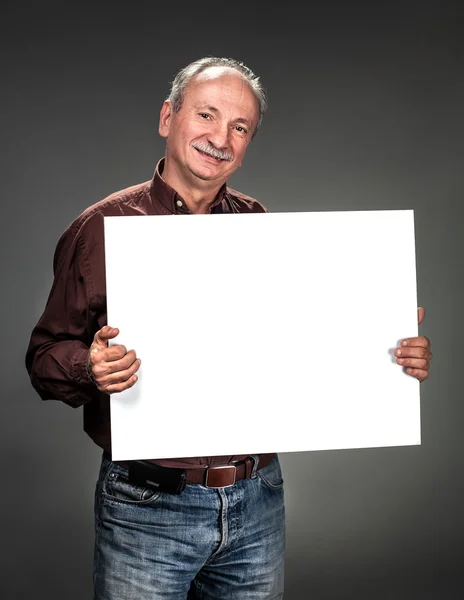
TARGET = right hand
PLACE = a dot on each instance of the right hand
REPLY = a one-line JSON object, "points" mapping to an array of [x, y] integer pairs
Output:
{"points": [[112, 368]]}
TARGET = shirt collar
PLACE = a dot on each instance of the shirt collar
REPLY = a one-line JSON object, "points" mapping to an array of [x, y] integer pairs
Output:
{"points": [[166, 196]]}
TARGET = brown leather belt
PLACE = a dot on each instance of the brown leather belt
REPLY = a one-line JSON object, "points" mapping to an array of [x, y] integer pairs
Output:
{"points": [[216, 476], [226, 475]]}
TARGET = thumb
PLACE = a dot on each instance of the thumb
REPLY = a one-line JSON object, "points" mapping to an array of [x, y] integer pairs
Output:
{"points": [[102, 336], [420, 315]]}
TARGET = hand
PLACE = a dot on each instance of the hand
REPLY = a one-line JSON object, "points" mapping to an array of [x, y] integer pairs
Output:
{"points": [[414, 353], [112, 368]]}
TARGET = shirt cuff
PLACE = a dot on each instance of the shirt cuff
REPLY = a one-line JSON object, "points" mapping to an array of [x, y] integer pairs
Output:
{"points": [[80, 370]]}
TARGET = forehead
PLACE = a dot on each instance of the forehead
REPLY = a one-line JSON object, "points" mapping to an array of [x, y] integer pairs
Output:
{"points": [[221, 85]]}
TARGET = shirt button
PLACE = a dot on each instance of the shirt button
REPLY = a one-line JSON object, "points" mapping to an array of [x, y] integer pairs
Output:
{"points": [[179, 203]]}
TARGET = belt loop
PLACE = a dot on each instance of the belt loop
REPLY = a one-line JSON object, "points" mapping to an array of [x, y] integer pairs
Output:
{"points": [[255, 458]]}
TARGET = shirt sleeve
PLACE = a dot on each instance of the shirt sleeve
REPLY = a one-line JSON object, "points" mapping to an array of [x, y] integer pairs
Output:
{"points": [[57, 356]]}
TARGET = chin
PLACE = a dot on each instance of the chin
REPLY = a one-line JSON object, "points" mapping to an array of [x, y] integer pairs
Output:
{"points": [[206, 178], [206, 174]]}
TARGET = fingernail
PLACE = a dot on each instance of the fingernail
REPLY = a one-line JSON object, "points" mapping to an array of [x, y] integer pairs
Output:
{"points": [[398, 352], [404, 343]]}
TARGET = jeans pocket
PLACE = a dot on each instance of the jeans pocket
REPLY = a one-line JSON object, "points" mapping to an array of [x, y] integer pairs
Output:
{"points": [[271, 475], [117, 487]]}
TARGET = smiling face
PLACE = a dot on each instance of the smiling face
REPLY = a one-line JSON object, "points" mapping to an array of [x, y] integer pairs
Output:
{"points": [[208, 137]]}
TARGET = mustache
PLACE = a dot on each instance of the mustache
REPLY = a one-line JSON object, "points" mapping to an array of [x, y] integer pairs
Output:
{"points": [[212, 151]]}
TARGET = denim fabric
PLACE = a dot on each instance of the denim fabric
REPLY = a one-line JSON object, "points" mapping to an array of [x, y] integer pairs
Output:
{"points": [[208, 544]]}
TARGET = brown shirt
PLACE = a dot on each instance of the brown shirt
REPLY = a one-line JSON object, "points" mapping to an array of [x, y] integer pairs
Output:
{"points": [[76, 307]]}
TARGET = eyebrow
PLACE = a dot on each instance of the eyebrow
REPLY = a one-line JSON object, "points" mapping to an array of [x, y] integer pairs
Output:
{"points": [[215, 110]]}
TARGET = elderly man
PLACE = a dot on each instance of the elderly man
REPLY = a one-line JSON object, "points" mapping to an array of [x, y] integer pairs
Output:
{"points": [[180, 527]]}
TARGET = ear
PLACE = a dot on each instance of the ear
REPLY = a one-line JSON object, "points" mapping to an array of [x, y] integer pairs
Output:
{"points": [[165, 119]]}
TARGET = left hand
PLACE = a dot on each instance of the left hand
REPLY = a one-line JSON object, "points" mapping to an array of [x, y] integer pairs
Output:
{"points": [[414, 353]]}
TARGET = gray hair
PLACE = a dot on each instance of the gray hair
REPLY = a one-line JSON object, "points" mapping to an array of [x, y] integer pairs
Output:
{"points": [[185, 75]]}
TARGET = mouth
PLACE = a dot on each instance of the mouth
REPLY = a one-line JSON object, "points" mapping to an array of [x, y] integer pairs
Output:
{"points": [[208, 156], [212, 159]]}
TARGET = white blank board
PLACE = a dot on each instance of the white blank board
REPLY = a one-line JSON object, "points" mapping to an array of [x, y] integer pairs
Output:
{"points": [[263, 332]]}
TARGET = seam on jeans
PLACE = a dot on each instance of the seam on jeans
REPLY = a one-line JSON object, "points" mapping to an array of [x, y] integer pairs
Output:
{"points": [[198, 588], [254, 471], [224, 524], [107, 497], [99, 488], [114, 500], [267, 482], [96, 561], [271, 486]]}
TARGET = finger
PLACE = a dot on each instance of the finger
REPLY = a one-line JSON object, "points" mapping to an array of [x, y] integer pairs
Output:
{"points": [[101, 356], [121, 363], [419, 374], [120, 387], [116, 366], [414, 363], [420, 314], [422, 340], [104, 334], [413, 352], [107, 379], [113, 353]]}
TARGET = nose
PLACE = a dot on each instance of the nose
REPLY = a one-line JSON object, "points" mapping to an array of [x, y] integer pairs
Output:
{"points": [[218, 136]]}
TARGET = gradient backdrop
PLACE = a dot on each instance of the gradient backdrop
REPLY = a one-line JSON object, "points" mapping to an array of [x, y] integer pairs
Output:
{"points": [[366, 112]]}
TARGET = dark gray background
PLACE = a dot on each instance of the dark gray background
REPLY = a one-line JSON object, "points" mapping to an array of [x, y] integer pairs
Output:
{"points": [[366, 112]]}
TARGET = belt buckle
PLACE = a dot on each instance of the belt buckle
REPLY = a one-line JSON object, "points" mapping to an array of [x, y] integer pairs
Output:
{"points": [[232, 468]]}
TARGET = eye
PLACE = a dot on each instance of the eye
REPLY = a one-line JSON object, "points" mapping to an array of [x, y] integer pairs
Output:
{"points": [[241, 129], [204, 115]]}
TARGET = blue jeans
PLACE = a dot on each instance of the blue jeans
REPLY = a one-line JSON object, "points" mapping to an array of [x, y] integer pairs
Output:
{"points": [[208, 544]]}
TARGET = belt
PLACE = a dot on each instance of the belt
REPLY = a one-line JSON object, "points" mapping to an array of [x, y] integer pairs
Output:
{"points": [[173, 479]]}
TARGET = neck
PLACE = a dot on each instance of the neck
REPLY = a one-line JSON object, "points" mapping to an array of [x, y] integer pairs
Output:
{"points": [[198, 195]]}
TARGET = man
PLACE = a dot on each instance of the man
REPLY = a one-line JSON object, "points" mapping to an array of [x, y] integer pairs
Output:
{"points": [[164, 527]]}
